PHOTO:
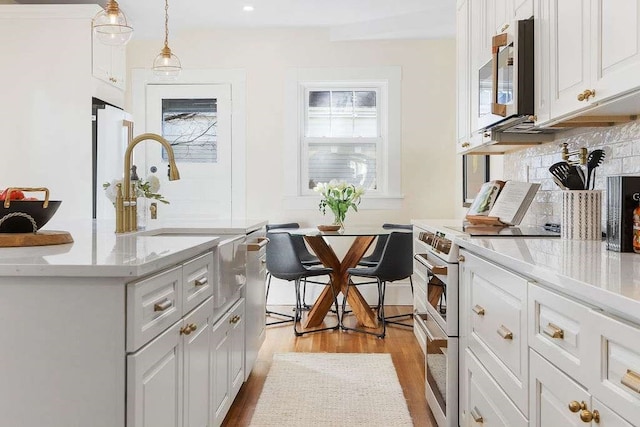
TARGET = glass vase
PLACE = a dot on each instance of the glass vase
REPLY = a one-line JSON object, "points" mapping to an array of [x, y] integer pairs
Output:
{"points": [[142, 209]]}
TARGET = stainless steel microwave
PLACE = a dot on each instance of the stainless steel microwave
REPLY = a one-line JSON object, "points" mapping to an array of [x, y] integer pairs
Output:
{"points": [[505, 83]]}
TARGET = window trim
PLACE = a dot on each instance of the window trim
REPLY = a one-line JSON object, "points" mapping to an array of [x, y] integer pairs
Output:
{"points": [[388, 80]]}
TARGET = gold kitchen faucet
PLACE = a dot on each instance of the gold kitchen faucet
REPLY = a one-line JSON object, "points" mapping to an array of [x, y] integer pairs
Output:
{"points": [[126, 206]]}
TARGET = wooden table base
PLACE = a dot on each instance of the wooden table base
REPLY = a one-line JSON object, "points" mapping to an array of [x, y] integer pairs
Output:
{"points": [[339, 278]]}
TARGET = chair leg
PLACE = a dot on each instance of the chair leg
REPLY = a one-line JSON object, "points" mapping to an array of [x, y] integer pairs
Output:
{"points": [[397, 316], [298, 315], [288, 317], [380, 298]]}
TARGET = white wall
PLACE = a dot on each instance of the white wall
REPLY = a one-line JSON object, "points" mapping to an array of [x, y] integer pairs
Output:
{"points": [[429, 163]]}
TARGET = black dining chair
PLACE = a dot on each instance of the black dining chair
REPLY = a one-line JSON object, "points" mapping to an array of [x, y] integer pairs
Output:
{"points": [[396, 263], [305, 256], [284, 263]]}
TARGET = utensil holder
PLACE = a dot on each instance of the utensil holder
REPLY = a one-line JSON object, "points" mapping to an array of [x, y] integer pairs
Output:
{"points": [[581, 215]]}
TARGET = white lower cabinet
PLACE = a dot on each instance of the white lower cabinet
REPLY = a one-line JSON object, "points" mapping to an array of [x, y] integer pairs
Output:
{"points": [[227, 361], [531, 356], [487, 403], [168, 379], [557, 400]]}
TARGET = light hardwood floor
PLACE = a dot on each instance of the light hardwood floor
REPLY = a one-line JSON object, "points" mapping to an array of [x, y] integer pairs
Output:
{"points": [[399, 342]]}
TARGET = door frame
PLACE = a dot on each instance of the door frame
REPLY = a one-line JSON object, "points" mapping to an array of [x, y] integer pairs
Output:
{"points": [[140, 78]]}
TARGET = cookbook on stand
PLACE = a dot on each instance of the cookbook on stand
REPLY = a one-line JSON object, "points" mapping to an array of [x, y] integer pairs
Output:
{"points": [[502, 203]]}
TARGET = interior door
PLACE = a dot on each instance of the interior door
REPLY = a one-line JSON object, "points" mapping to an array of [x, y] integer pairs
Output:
{"points": [[196, 121]]}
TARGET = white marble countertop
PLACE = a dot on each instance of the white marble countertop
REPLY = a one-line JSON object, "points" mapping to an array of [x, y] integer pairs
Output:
{"points": [[584, 270], [205, 226], [98, 252]]}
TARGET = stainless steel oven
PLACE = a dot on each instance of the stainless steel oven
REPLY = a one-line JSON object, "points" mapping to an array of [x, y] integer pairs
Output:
{"points": [[436, 264]]}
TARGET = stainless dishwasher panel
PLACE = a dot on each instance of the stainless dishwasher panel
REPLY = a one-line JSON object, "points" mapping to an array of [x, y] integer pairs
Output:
{"points": [[231, 271]]}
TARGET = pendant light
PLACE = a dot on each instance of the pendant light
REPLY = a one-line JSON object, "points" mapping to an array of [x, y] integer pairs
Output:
{"points": [[110, 25], [166, 65]]}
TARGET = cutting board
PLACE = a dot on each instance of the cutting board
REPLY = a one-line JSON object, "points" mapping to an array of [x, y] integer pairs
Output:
{"points": [[41, 238]]}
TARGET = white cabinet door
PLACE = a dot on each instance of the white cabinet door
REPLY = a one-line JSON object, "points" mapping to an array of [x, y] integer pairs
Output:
{"points": [[109, 64], [154, 382], [542, 60], [569, 25], [615, 29], [462, 76], [220, 369], [608, 418], [550, 394], [486, 403], [237, 354], [196, 395]]}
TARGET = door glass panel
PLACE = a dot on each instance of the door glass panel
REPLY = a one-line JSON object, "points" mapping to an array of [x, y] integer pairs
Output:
{"points": [[190, 126], [504, 91], [437, 370]]}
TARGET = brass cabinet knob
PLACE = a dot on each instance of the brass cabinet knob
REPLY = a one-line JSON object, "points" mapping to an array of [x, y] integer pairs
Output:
{"points": [[162, 306], [192, 327], [588, 416], [201, 282], [487, 134], [460, 258], [575, 406], [466, 144], [479, 310], [553, 331], [475, 414], [584, 96], [185, 330], [505, 333]]}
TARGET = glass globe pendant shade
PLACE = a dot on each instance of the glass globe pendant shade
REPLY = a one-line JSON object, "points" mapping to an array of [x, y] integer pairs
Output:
{"points": [[166, 65], [110, 26]]}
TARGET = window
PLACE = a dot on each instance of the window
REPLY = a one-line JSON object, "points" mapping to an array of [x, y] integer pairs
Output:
{"points": [[348, 129], [341, 136]]}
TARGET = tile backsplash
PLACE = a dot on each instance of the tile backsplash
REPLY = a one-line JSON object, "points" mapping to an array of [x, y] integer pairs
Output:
{"points": [[621, 144]]}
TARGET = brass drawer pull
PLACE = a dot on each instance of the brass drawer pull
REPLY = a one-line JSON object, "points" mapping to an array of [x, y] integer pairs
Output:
{"points": [[588, 416], [632, 380], [478, 310], [162, 306], [235, 319], [475, 414], [584, 96], [201, 282], [553, 331], [505, 333], [186, 330], [575, 406]]}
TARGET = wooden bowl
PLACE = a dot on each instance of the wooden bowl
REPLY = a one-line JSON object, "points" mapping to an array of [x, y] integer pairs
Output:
{"points": [[331, 227]]}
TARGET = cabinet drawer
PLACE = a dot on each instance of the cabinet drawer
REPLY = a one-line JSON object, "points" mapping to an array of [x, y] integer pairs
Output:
{"points": [[153, 304], [497, 325], [197, 279], [487, 403], [557, 330], [615, 376]]}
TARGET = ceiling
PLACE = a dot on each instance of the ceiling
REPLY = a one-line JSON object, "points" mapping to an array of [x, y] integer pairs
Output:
{"points": [[346, 19]]}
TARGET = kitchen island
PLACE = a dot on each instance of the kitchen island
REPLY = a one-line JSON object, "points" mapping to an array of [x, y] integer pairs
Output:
{"points": [[119, 330]]}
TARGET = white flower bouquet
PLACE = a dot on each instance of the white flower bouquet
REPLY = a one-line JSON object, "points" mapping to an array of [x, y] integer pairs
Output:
{"points": [[147, 188], [339, 197]]}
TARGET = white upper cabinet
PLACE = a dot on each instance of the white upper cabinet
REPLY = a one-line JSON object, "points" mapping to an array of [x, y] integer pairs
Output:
{"points": [[109, 64], [587, 53], [615, 44], [569, 22], [462, 77]]}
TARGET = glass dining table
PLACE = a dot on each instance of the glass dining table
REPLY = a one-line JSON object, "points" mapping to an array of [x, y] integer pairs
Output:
{"points": [[362, 237]]}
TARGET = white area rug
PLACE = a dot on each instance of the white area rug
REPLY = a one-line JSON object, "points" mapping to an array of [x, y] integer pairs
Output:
{"points": [[331, 389]]}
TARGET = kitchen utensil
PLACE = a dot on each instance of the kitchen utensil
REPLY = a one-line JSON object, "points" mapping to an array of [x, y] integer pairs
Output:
{"points": [[27, 216], [559, 183], [595, 159], [560, 171], [580, 172], [575, 179]]}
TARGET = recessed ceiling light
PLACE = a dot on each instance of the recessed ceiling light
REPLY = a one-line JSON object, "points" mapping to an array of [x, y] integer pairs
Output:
{"points": [[248, 8]]}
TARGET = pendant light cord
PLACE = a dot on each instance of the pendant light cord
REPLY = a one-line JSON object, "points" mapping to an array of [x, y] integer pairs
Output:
{"points": [[166, 23]]}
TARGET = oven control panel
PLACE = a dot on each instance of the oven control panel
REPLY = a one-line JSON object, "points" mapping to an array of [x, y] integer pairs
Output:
{"points": [[440, 245]]}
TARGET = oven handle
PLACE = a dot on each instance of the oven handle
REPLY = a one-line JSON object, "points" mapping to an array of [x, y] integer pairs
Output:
{"points": [[441, 342], [435, 269]]}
